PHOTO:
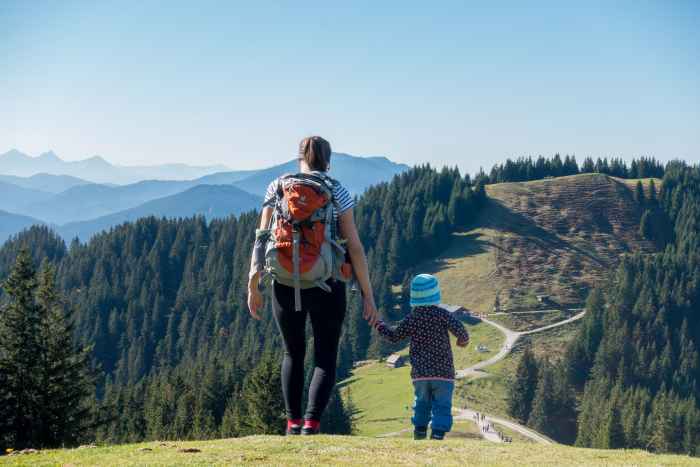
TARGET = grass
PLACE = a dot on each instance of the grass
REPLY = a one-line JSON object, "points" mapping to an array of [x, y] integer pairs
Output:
{"points": [[489, 394], [338, 450], [556, 237], [480, 333], [384, 396]]}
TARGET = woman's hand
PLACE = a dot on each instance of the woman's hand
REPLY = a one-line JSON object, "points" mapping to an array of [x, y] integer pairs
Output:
{"points": [[370, 309], [255, 298]]}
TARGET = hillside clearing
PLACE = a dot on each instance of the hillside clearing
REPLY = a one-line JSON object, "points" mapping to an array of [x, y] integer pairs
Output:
{"points": [[555, 237], [384, 396], [336, 450]]}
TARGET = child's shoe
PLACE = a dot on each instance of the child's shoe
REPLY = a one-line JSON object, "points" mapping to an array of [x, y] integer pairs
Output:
{"points": [[437, 434], [311, 427], [420, 432], [294, 427]]}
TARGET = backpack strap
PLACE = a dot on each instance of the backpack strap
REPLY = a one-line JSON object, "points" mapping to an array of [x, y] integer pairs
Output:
{"points": [[296, 260]]}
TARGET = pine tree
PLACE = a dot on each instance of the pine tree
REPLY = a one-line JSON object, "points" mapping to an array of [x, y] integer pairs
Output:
{"points": [[544, 403], [67, 380], [522, 390], [337, 419], [639, 193], [20, 321], [652, 193], [263, 411], [611, 434]]}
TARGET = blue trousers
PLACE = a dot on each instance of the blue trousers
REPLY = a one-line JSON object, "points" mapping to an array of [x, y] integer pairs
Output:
{"points": [[433, 402]]}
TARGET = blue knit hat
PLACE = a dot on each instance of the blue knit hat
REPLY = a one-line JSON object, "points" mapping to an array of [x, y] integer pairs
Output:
{"points": [[425, 290]]}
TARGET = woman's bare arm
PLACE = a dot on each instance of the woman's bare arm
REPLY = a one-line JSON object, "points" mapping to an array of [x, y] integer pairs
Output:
{"points": [[255, 298], [359, 263]]}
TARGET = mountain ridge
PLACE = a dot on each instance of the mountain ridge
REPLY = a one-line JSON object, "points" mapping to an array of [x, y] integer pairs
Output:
{"points": [[96, 169]]}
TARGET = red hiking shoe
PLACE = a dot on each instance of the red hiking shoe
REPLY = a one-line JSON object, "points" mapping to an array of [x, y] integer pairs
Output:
{"points": [[311, 427], [294, 426]]}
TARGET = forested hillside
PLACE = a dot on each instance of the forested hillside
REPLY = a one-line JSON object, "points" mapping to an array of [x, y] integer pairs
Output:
{"points": [[164, 303], [526, 168], [635, 362]]}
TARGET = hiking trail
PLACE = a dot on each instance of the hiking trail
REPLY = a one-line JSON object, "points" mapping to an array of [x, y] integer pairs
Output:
{"points": [[476, 371]]}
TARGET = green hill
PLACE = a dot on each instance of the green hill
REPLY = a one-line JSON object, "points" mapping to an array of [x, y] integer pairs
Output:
{"points": [[554, 237], [336, 450]]}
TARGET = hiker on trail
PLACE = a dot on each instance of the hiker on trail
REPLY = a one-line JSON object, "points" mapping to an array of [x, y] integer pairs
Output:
{"points": [[308, 245], [432, 371]]}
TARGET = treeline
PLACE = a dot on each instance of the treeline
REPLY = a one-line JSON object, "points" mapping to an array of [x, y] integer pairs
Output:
{"points": [[402, 224], [635, 363], [526, 168], [542, 398], [163, 304]]}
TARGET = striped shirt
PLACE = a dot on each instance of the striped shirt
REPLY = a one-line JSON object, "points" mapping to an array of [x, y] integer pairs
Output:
{"points": [[342, 200]]}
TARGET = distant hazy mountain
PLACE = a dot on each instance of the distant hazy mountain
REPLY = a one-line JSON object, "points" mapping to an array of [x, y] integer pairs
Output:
{"points": [[211, 201], [98, 170], [85, 208], [11, 224], [355, 173], [45, 182], [86, 202], [14, 198]]}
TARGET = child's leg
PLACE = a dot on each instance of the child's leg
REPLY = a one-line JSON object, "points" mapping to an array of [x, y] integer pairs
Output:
{"points": [[442, 405], [421, 404]]}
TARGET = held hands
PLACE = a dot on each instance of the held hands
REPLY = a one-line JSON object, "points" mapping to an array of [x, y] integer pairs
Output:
{"points": [[255, 298], [463, 343], [370, 312]]}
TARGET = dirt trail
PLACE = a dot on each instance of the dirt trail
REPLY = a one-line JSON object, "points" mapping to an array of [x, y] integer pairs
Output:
{"points": [[476, 371]]}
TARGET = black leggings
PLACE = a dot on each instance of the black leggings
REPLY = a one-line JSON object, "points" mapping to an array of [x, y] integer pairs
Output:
{"points": [[327, 311]]}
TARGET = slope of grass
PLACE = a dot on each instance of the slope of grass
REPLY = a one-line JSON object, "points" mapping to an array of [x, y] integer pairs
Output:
{"points": [[556, 237], [336, 450], [489, 394], [384, 396], [479, 334]]}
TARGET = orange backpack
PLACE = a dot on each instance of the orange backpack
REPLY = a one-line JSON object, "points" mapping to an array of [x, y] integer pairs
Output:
{"points": [[303, 248]]}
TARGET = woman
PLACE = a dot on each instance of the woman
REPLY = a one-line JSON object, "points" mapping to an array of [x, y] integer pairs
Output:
{"points": [[326, 309]]}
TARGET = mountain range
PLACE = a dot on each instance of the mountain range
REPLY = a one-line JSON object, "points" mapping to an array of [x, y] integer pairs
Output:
{"points": [[96, 169], [78, 207]]}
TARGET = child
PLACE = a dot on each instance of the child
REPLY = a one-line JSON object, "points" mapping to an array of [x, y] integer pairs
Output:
{"points": [[433, 371]]}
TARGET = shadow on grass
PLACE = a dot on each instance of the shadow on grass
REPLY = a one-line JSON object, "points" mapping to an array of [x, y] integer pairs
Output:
{"points": [[499, 217]]}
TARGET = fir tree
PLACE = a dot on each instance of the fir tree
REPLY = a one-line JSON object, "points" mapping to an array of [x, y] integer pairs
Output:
{"points": [[639, 193], [544, 403], [263, 407], [522, 389], [20, 321], [67, 380]]}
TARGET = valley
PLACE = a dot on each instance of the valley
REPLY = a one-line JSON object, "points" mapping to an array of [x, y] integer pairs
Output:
{"points": [[553, 238]]}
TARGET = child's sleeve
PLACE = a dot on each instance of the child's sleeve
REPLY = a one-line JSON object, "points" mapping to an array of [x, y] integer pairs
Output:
{"points": [[457, 328], [401, 332]]}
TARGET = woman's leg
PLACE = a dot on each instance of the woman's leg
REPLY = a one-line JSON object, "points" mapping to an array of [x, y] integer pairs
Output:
{"points": [[327, 312], [292, 326]]}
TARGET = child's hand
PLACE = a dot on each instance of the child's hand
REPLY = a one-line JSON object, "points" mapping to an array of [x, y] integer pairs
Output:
{"points": [[463, 343]]}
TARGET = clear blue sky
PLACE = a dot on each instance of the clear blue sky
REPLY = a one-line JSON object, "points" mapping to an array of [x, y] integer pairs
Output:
{"points": [[227, 82]]}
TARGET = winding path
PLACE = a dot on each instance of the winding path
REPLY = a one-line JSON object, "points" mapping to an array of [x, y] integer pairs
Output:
{"points": [[475, 371], [511, 338]]}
